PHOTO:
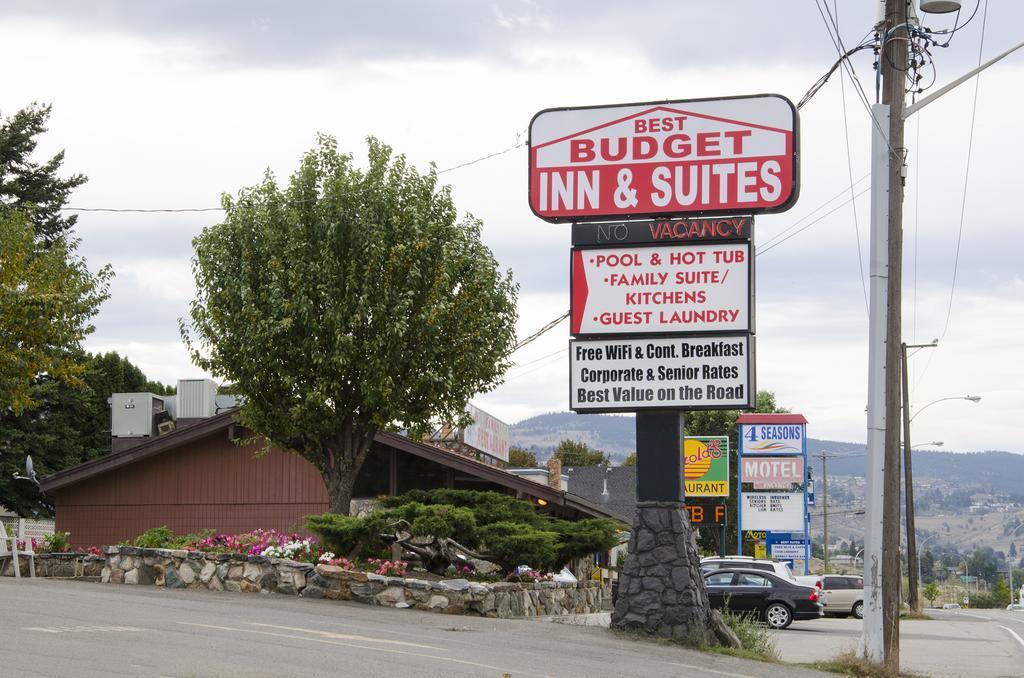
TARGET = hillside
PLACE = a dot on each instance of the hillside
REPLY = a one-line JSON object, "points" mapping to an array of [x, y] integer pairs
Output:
{"points": [[992, 471]]}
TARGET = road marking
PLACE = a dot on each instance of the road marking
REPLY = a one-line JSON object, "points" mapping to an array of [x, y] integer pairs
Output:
{"points": [[347, 636], [80, 629], [384, 650], [1014, 634], [716, 672], [973, 616]]}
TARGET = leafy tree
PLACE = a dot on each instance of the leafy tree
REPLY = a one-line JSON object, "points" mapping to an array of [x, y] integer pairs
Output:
{"points": [[1001, 592], [440, 526], [347, 303], [927, 565], [931, 592], [630, 459], [47, 298], [575, 453], [30, 187], [520, 457]]}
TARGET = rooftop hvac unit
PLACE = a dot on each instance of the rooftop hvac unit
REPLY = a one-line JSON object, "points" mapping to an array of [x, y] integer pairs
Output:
{"points": [[133, 414], [197, 398]]}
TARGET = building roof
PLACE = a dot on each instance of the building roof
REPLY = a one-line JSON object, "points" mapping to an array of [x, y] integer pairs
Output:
{"points": [[756, 418], [225, 420], [589, 483]]}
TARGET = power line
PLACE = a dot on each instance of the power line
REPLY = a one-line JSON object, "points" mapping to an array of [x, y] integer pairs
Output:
{"points": [[796, 223], [762, 250], [519, 144], [967, 172], [533, 337], [849, 172]]}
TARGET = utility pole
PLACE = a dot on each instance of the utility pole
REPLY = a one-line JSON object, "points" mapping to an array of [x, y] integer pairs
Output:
{"points": [[913, 599], [913, 563], [893, 67], [824, 503]]}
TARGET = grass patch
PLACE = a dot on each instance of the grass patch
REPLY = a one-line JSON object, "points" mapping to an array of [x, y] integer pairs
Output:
{"points": [[754, 636], [916, 615], [849, 664], [758, 644]]}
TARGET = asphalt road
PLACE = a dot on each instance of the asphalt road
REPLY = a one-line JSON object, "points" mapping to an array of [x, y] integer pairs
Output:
{"points": [[81, 629], [952, 643]]}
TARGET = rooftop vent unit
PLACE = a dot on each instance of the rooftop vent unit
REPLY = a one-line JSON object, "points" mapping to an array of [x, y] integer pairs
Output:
{"points": [[197, 399]]}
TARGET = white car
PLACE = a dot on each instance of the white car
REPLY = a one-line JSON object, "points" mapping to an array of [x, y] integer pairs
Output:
{"points": [[721, 562]]}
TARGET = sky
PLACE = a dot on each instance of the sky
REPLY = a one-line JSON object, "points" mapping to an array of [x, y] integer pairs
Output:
{"points": [[172, 104]]}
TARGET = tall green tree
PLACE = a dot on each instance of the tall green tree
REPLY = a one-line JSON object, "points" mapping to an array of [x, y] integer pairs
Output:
{"points": [[349, 302], [48, 298], [34, 188], [520, 457], [69, 425], [575, 453]]}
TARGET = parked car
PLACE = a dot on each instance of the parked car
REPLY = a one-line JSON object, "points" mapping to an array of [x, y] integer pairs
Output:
{"points": [[951, 606], [842, 595], [710, 563], [765, 595]]}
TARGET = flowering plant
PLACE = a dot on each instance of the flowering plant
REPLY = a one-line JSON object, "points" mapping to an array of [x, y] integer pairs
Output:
{"points": [[328, 558], [22, 542], [393, 568], [526, 574], [296, 549], [259, 543]]}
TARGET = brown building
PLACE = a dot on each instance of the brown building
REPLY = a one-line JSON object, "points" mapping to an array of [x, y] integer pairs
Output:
{"points": [[197, 477]]}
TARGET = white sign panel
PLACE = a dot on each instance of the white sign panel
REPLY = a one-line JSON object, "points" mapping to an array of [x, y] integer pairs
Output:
{"points": [[773, 473], [789, 550], [689, 288], [772, 511], [487, 434], [733, 155], [771, 438], [680, 372]]}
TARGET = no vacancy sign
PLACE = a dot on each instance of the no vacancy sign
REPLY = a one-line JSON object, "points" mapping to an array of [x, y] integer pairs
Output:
{"points": [[733, 155]]}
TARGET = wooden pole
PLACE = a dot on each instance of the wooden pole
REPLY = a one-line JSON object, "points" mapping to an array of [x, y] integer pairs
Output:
{"points": [[893, 65]]}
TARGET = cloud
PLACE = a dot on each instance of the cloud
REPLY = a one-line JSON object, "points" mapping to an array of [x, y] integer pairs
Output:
{"points": [[171, 104]]}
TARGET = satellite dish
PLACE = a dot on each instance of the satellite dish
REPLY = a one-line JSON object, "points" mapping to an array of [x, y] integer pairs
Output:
{"points": [[29, 471]]}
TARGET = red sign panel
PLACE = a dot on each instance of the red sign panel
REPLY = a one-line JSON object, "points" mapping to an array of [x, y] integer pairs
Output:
{"points": [[711, 156]]}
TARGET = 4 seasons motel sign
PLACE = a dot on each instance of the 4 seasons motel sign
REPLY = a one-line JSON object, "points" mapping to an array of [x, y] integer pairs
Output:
{"points": [[733, 155]]}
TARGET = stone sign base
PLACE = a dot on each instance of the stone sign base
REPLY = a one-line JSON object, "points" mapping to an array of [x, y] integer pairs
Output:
{"points": [[661, 591]]}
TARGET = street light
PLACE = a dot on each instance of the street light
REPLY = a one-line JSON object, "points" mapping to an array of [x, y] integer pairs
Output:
{"points": [[973, 399], [913, 562]]}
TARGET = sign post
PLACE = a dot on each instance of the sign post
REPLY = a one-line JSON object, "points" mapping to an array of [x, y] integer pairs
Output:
{"points": [[662, 289]]}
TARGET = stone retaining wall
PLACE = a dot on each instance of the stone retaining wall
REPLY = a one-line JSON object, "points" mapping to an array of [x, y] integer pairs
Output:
{"points": [[260, 574], [67, 565]]}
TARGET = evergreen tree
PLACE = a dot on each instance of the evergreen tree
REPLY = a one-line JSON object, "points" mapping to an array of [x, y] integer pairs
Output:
{"points": [[32, 187]]}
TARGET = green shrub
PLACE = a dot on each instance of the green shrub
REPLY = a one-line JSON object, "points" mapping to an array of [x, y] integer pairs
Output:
{"points": [[513, 544], [345, 535], [510, 531], [59, 542], [754, 635], [155, 538]]}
